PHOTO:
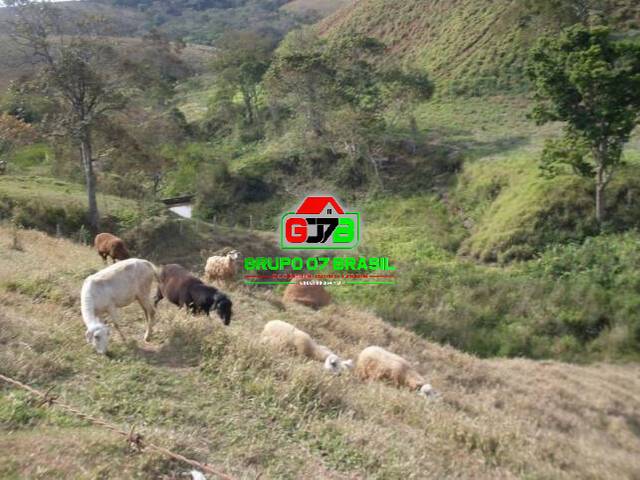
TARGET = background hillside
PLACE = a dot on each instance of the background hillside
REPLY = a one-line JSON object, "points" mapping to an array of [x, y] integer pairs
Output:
{"points": [[469, 46]]}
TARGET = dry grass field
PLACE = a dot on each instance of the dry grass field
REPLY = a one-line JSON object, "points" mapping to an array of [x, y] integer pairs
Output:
{"points": [[215, 394]]}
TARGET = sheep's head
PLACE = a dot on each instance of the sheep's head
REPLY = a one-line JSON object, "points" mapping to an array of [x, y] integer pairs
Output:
{"points": [[98, 337], [223, 307], [336, 365], [233, 255], [427, 391]]}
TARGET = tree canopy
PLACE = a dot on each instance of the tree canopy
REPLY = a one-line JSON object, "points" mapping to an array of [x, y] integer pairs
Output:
{"points": [[591, 82]]}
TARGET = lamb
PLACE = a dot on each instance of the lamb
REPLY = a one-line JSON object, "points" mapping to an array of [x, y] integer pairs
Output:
{"points": [[222, 268], [184, 289], [284, 336], [109, 245], [376, 363], [314, 296], [115, 287]]}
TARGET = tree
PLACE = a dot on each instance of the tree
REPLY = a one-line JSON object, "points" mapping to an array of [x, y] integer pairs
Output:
{"points": [[337, 95], [80, 71], [592, 83], [14, 132], [241, 62]]}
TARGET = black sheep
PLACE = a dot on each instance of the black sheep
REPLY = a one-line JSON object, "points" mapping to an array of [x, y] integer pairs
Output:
{"points": [[182, 288]]}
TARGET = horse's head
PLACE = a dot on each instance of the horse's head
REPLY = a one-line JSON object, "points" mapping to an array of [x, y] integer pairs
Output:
{"points": [[98, 336]]}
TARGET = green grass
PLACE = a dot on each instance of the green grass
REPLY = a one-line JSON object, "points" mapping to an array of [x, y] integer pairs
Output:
{"points": [[516, 212], [43, 202], [411, 229]]}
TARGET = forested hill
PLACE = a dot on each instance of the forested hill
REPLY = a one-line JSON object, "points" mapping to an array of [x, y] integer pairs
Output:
{"points": [[204, 21], [470, 44], [199, 21]]}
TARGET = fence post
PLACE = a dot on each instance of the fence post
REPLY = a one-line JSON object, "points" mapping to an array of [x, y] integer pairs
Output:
{"points": [[58, 230], [250, 222]]}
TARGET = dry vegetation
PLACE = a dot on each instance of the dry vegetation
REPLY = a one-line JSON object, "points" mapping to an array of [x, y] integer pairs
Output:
{"points": [[217, 395]]}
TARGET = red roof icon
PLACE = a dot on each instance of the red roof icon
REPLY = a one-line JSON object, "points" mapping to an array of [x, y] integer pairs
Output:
{"points": [[316, 205]]}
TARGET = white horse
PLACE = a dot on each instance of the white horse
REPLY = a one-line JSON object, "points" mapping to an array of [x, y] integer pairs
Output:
{"points": [[115, 287]]}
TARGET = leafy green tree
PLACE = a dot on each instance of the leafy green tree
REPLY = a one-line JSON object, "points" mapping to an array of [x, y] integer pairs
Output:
{"points": [[300, 81], [242, 60], [337, 95], [591, 82], [79, 71]]}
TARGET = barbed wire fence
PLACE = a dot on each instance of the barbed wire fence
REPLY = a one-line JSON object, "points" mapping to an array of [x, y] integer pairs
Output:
{"points": [[133, 438]]}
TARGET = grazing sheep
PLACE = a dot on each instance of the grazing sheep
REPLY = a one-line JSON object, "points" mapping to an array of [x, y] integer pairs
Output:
{"points": [[115, 287], [184, 289], [222, 268], [376, 363], [109, 245], [285, 336], [314, 296]]}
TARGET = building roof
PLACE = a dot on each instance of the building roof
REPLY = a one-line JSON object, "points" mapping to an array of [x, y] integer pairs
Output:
{"points": [[315, 205]]}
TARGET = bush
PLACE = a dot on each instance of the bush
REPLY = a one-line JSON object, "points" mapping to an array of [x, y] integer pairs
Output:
{"points": [[576, 302], [30, 156]]}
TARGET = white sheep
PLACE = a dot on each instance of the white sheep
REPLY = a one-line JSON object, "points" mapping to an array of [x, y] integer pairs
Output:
{"points": [[376, 363], [285, 336], [222, 268], [115, 287]]}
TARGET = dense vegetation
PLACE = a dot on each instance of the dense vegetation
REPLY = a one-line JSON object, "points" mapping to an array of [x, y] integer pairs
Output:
{"points": [[393, 108]]}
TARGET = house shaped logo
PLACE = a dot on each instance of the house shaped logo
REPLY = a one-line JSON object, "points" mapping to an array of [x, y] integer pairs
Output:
{"points": [[320, 223]]}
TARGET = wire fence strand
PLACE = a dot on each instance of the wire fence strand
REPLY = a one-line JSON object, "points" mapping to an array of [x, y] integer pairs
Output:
{"points": [[133, 438]]}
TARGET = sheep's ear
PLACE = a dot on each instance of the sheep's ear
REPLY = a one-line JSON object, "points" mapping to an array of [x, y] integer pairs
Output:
{"points": [[88, 335]]}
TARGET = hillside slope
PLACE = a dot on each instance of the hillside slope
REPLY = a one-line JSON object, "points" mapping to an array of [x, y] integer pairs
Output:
{"points": [[215, 394], [465, 43]]}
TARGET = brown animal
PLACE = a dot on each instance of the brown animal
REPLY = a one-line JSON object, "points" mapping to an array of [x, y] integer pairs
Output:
{"points": [[185, 290], [314, 296], [109, 245]]}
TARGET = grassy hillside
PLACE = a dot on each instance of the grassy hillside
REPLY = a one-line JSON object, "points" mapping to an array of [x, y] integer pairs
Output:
{"points": [[50, 204], [216, 395], [468, 46]]}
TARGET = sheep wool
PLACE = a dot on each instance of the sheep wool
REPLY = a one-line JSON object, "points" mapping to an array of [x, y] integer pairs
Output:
{"points": [[376, 363], [285, 336], [222, 268]]}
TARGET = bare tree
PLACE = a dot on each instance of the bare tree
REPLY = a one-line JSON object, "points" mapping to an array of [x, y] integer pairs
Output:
{"points": [[78, 69]]}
